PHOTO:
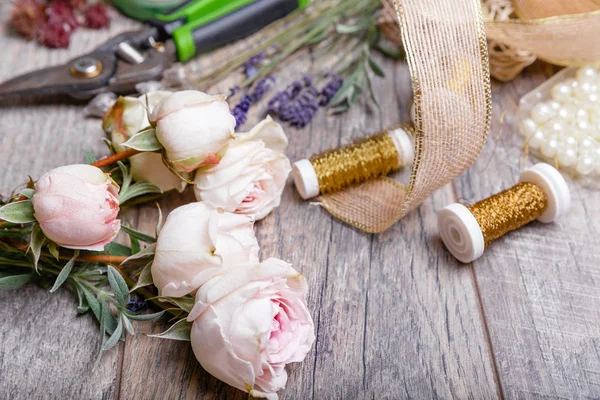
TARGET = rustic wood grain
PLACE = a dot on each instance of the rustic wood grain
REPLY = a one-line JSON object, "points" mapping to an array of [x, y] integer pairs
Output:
{"points": [[540, 285]]}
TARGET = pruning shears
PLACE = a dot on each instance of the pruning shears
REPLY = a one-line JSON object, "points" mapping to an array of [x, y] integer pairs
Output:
{"points": [[191, 28]]}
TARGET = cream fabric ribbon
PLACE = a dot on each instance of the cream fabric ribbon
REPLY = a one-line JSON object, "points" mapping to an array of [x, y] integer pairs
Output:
{"points": [[447, 55]]}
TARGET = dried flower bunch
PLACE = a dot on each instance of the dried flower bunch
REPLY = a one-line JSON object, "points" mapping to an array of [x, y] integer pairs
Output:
{"points": [[51, 22], [203, 261]]}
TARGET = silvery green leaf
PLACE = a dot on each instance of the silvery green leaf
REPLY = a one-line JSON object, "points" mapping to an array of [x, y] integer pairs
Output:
{"points": [[376, 68], [138, 235], [127, 324], [145, 253], [114, 337], [185, 303], [19, 212], [8, 282], [92, 302], [53, 249], [27, 192], [160, 222], [64, 272], [89, 157], [135, 245], [127, 178], [110, 322], [36, 242], [136, 190], [82, 307], [118, 286], [144, 141], [145, 278], [180, 330], [146, 317]]}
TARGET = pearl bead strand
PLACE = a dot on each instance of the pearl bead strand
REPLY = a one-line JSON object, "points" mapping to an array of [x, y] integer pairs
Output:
{"points": [[566, 128]]}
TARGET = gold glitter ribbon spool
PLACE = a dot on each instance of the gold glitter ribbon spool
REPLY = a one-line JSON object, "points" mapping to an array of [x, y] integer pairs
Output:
{"points": [[370, 158], [541, 194]]}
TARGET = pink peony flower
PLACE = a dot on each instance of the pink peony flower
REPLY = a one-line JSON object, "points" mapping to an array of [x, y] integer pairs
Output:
{"points": [[77, 206], [249, 323], [198, 242], [251, 176]]}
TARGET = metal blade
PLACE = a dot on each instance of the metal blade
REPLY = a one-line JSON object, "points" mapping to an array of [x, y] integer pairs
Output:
{"points": [[59, 80]]}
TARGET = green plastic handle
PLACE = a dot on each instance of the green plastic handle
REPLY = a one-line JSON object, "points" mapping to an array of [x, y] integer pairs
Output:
{"points": [[228, 21]]}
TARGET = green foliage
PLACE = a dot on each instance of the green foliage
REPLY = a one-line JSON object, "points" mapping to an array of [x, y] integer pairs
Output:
{"points": [[180, 330], [130, 191], [144, 140], [18, 212]]}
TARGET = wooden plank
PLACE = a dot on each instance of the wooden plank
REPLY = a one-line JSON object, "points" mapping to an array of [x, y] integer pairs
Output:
{"points": [[46, 349], [539, 285]]}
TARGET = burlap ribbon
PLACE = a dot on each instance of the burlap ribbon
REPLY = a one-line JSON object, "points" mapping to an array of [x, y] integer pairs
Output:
{"points": [[448, 59], [562, 32]]}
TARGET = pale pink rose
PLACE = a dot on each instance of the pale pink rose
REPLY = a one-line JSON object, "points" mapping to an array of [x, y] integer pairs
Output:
{"points": [[77, 206], [194, 128], [251, 175], [249, 323], [128, 116], [198, 242]]}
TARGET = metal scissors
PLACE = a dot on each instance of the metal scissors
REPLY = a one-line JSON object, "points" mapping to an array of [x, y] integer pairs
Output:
{"points": [[191, 28]]}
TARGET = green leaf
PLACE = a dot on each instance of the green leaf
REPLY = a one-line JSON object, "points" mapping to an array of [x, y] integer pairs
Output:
{"points": [[180, 330], [145, 140], [27, 192], [36, 242], [114, 337], [82, 307], [127, 324], [138, 235], [93, 303], [110, 322], [89, 157], [145, 278], [64, 273], [136, 190], [117, 249], [118, 286], [135, 245], [13, 281], [376, 68], [146, 317], [185, 303], [19, 212], [145, 253], [160, 222], [53, 249]]}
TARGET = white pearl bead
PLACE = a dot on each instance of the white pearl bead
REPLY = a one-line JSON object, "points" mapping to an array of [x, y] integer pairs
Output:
{"points": [[570, 142], [556, 126], [527, 127], [562, 92], [584, 89], [541, 113], [592, 99], [582, 115], [595, 132], [585, 165], [571, 82], [567, 112], [587, 143], [567, 157], [537, 140], [549, 148], [582, 128], [586, 73]]}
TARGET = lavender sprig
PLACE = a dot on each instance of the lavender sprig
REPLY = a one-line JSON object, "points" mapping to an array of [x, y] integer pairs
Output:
{"points": [[300, 111], [240, 111], [330, 89], [251, 65]]}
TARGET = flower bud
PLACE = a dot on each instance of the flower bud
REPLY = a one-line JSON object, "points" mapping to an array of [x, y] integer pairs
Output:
{"points": [[126, 118], [198, 242], [251, 175], [194, 128], [76, 206]]}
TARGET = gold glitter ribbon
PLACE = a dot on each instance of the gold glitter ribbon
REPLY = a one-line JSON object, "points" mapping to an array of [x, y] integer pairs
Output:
{"points": [[448, 59], [370, 158], [509, 210]]}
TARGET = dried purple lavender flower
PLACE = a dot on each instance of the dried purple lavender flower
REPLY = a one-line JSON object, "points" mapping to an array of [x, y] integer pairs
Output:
{"points": [[300, 111], [251, 65], [136, 306], [330, 89], [278, 101], [240, 110]]}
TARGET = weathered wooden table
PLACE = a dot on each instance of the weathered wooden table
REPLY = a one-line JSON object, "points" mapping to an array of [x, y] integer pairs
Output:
{"points": [[396, 316]]}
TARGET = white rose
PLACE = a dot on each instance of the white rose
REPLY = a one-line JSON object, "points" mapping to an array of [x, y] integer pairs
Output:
{"points": [[126, 118], [194, 128], [251, 175], [198, 242]]}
